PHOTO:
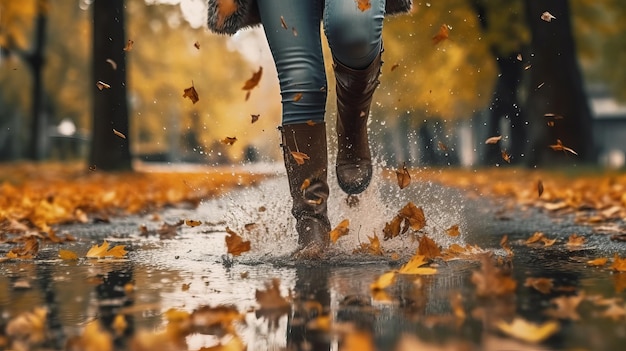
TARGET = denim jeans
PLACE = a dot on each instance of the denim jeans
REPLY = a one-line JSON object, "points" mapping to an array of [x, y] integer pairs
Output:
{"points": [[354, 37]]}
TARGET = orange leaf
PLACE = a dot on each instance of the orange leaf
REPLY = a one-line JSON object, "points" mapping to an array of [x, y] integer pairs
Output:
{"points": [[414, 264], [364, 5], [601, 261], [297, 97], [404, 178], [619, 264], [560, 147], [536, 237], [543, 285], [104, 251], [254, 80], [493, 140], [491, 280], [505, 156], [383, 281], [428, 247], [229, 140], [453, 231], [442, 35], [192, 223], [129, 45], [235, 244], [340, 230], [67, 255], [225, 8], [575, 240], [300, 157]]}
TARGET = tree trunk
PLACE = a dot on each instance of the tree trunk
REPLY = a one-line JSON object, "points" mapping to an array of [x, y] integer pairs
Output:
{"points": [[109, 151], [556, 87], [35, 61]]}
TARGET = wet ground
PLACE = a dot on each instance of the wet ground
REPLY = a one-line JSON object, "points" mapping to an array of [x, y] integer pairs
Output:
{"points": [[192, 269]]}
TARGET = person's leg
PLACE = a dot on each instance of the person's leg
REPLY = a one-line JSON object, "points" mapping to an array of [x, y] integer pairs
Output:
{"points": [[297, 52], [355, 39]]}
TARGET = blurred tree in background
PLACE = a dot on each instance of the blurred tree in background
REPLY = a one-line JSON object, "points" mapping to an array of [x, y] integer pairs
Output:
{"points": [[430, 93]]}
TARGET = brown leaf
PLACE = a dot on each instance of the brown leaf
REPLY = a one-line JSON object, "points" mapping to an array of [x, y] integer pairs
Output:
{"points": [[373, 248], [67, 255], [536, 237], [453, 231], [254, 80], [539, 188], [566, 307], [364, 5], [575, 240], [254, 117], [28, 326], [225, 8], [403, 176], [547, 16], [196, 45], [560, 147], [392, 229], [600, 261], [129, 45], [505, 156], [543, 285], [491, 281], [414, 215], [504, 243], [283, 23], [192, 223], [493, 139], [428, 247], [441, 35], [394, 66], [191, 93], [235, 244], [273, 304], [442, 146], [119, 134], [27, 251], [619, 264], [297, 97], [340, 230], [229, 140], [299, 157], [413, 266], [102, 85]]}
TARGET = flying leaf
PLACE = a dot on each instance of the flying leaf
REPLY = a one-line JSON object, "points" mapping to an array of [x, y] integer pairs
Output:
{"points": [[196, 45], [414, 215], [539, 188], [191, 93], [413, 266], [283, 23], [254, 117], [441, 35], [129, 45], [373, 248], [225, 8], [428, 247], [119, 134], [229, 140], [394, 66], [453, 231], [392, 229], [235, 244], [364, 5], [493, 139], [340, 230], [112, 63], [299, 157], [560, 147], [403, 176], [519, 57], [505, 156], [441, 146], [254, 80], [543, 285], [192, 223], [67, 255], [504, 243], [547, 16], [102, 85], [297, 97], [527, 331], [101, 251]]}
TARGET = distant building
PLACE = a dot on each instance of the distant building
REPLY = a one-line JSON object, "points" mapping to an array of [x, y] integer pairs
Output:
{"points": [[609, 127]]}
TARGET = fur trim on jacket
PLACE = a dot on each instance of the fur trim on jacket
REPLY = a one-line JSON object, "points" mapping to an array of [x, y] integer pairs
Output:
{"points": [[246, 14]]}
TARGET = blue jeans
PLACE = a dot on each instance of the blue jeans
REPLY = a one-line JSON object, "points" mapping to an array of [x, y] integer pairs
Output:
{"points": [[354, 37]]}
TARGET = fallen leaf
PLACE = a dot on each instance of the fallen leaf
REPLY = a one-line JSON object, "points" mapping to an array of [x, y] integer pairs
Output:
{"points": [[493, 139], [504, 243], [453, 231], [619, 264], [191, 93], [601, 261], [560, 147], [192, 223], [536, 237], [383, 281], [547, 242], [413, 266], [235, 244], [129, 45], [67, 255], [254, 80], [102, 85], [527, 331], [575, 240], [441, 35], [30, 326], [364, 5], [119, 134], [492, 281], [229, 140], [340, 230], [103, 251], [543, 285], [403, 176], [566, 307], [547, 16], [299, 157], [27, 251]]}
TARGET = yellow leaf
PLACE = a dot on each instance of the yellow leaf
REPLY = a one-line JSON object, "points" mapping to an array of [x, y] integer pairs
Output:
{"points": [[527, 331], [104, 251], [193, 223], [383, 281], [67, 255], [601, 261], [339, 231], [453, 231], [413, 266]]}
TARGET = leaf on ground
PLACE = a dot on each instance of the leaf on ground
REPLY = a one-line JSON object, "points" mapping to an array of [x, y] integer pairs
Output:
{"points": [[566, 307], [29, 326], [536, 237], [575, 240], [102, 251], [504, 243], [192, 223], [597, 262], [383, 281], [428, 247], [27, 251], [235, 243], [67, 255], [169, 231], [619, 264], [413, 266], [340, 230], [491, 280], [539, 188], [527, 331], [543, 285]]}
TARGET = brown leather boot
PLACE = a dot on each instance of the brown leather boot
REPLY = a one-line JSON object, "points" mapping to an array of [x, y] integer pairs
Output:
{"points": [[306, 161], [355, 89]]}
